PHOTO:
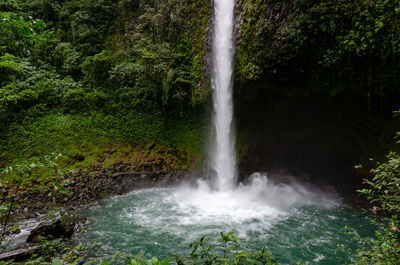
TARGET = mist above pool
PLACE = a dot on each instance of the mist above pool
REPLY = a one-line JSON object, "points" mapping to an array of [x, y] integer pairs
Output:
{"points": [[293, 220]]}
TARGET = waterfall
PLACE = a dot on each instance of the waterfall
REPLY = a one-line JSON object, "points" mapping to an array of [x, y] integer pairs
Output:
{"points": [[223, 151]]}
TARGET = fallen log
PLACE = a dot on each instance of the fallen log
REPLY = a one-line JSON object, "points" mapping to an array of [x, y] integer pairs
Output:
{"points": [[19, 254]]}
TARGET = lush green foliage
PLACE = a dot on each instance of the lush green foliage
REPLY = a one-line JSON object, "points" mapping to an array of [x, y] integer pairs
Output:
{"points": [[19, 34], [225, 250], [74, 73], [383, 249], [384, 188], [145, 60], [331, 46], [383, 192], [39, 174]]}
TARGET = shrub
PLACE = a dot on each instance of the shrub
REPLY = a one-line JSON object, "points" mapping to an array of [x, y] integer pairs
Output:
{"points": [[96, 67], [383, 192], [19, 34], [227, 250], [384, 188], [74, 100]]}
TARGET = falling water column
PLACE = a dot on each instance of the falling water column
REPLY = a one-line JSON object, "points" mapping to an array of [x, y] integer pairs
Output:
{"points": [[223, 152]]}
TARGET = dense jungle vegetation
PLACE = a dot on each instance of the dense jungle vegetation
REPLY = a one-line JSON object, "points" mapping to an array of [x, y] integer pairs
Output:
{"points": [[78, 72], [79, 75]]}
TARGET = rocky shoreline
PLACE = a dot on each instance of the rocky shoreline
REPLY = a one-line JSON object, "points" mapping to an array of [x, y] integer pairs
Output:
{"points": [[88, 185], [84, 187]]}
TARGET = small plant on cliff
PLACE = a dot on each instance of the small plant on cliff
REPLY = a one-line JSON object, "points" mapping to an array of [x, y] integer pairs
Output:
{"points": [[37, 174]]}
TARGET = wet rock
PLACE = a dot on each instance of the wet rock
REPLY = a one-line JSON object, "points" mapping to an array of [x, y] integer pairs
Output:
{"points": [[63, 228], [4, 192], [101, 181], [10, 231]]}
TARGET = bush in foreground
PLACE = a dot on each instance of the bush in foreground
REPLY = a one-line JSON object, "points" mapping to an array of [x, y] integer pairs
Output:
{"points": [[383, 192], [225, 250]]}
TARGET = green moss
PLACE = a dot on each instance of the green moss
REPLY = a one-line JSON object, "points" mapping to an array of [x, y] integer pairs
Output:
{"points": [[83, 140], [325, 47]]}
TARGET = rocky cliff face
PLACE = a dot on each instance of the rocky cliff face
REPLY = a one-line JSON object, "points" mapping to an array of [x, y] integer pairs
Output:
{"points": [[311, 96], [263, 36]]}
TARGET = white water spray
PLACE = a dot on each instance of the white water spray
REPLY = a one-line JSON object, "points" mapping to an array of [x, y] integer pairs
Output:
{"points": [[261, 210], [223, 198], [223, 152]]}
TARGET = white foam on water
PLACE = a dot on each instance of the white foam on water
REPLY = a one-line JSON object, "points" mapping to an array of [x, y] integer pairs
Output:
{"points": [[260, 212], [248, 208], [260, 197], [319, 257], [192, 211]]}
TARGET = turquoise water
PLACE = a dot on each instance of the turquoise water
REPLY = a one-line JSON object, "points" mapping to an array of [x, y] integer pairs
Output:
{"points": [[159, 221]]}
